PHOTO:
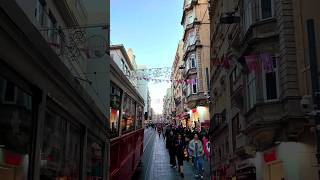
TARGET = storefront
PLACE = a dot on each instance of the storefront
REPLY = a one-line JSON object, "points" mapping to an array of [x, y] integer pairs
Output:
{"points": [[199, 117]]}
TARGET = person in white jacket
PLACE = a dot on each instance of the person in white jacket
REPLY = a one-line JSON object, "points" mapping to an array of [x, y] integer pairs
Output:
{"points": [[196, 150]]}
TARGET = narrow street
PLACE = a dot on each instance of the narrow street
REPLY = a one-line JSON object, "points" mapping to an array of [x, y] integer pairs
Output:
{"points": [[155, 162]]}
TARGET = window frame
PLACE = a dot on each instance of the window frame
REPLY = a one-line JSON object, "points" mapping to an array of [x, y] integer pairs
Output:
{"points": [[251, 78], [196, 86], [52, 28], [272, 10], [192, 57], [190, 18], [41, 15], [248, 16], [276, 71], [4, 101]]}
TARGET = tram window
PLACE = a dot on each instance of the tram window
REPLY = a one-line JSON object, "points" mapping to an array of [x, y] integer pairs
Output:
{"points": [[115, 106], [15, 130], [128, 114], [60, 153], [94, 159], [139, 116]]}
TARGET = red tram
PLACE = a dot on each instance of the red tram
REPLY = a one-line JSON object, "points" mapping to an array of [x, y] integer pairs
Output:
{"points": [[126, 126]]}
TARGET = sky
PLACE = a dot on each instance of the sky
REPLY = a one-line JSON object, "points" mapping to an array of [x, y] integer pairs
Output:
{"points": [[152, 29]]}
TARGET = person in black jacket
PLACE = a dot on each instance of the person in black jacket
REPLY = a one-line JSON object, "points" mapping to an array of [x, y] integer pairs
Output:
{"points": [[172, 149], [180, 146]]}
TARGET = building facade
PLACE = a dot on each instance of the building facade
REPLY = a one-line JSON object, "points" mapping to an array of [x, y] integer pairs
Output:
{"points": [[125, 62], [51, 119], [260, 73], [168, 106], [179, 99], [143, 88], [196, 59]]}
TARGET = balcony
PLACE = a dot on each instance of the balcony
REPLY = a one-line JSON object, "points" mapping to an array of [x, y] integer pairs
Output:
{"points": [[189, 72], [70, 51], [189, 6], [191, 26], [260, 30]]}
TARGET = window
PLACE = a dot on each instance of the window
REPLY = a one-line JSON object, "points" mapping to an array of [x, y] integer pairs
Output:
{"points": [[10, 92], [122, 64], [251, 86], [266, 9], [63, 43], [191, 38], [194, 87], [190, 18], [60, 149], [139, 116], [126, 70], [227, 146], [128, 114], [247, 14], [52, 28], [271, 82], [115, 107], [192, 61], [94, 158], [188, 90], [236, 128], [15, 131], [188, 2], [234, 76], [208, 79], [40, 13]]}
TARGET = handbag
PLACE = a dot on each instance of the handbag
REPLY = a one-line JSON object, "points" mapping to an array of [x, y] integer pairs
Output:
{"points": [[185, 152]]}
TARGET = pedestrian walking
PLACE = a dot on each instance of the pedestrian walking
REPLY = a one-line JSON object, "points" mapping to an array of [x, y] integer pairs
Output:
{"points": [[172, 149], [180, 147], [196, 150], [206, 146]]}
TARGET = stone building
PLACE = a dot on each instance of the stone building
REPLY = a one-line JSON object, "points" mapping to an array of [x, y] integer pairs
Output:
{"points": [[196, 48], [179, 99], [52, 113], [259, 129]]}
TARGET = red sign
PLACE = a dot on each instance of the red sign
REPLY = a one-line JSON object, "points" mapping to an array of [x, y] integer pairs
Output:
{"points": [[12, 158], [270, 156]]}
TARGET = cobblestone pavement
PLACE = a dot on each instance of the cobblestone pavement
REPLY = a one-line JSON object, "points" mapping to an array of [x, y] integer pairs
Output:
{"points": [[160, 167]]}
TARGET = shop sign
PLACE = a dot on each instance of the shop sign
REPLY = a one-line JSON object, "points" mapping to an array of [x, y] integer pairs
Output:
{"points": [[270, 156]]}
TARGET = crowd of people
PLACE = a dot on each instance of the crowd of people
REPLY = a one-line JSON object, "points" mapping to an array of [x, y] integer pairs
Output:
{"points": [[186, 144]]}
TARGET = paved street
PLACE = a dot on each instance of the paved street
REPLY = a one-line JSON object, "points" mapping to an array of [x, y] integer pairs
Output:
{"points": [[155, 163]]}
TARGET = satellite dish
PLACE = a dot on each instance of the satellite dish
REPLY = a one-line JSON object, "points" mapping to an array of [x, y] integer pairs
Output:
{"points": [[96, 47]]}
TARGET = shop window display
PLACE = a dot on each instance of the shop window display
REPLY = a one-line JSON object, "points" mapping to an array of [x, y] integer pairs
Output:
{"points": [[60, 153], [94, 159], [16, 121]]}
